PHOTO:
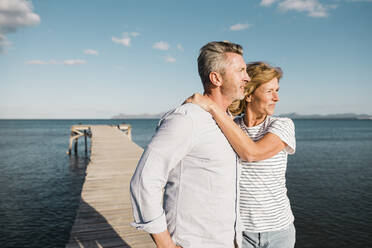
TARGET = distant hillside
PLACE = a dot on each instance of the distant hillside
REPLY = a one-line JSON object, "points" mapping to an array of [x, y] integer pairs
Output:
{"points": [[289, 115], [331, 116], [139, 116]]}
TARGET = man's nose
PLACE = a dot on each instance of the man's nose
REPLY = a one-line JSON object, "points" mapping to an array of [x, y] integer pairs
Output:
{"points": [[246, 77]]}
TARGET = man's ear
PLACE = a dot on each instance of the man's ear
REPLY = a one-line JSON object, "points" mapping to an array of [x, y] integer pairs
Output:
{"points": [[248, 98], [215, 79]]}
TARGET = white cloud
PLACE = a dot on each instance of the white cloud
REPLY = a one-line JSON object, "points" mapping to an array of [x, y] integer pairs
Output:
{"points": [[134, 34], [42, 62], [74, 62], [240, 26], [312, 7], [180, 47], [170, 59], [126, 38], [161, 45], [36, 62], [91, 52], [267, 2], [15, 14], [368, 1], [123, 41], [54, 62]]}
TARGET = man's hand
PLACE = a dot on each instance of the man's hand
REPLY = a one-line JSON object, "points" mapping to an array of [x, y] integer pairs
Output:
{"points": [[163, 240], [203, 101]]}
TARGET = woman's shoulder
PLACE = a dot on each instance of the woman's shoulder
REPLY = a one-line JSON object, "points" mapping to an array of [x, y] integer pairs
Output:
{"points": [[276, 120], [284, 128], [280, 125]]}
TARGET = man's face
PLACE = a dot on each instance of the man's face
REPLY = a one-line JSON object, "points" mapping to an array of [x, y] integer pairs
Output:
{"points": [[265, 97], [235, 77]]}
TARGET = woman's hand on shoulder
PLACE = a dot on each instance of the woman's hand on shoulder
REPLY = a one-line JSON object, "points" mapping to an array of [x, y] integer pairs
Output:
{"points": [[201, 100]]}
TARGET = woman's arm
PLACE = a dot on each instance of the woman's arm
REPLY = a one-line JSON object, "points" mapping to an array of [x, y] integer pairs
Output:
{"points": [[244, 146]]}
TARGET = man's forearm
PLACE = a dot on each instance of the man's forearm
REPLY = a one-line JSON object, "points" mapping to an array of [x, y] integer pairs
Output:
{"points": [[163, 240]]}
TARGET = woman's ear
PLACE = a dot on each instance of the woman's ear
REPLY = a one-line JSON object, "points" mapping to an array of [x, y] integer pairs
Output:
{"points": [[215, 78], [248, 98]]}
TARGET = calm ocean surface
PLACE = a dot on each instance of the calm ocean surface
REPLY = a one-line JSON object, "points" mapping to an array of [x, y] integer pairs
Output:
{"points": [[329, 181]]}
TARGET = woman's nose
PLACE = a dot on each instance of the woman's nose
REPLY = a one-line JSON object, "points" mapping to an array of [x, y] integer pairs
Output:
{"points": [[276, 96]]}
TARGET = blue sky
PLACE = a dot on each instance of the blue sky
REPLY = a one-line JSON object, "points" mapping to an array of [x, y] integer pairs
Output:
{"points": [[95, 59]]}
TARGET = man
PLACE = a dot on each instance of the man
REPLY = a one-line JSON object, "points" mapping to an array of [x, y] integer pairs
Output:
{"points": [[192, 160]]}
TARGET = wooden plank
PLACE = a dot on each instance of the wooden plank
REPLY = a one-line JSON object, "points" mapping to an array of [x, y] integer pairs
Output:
{"points": [[105, 212]]}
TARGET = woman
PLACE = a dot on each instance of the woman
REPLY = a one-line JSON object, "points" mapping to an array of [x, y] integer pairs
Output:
{"points": [[262, 143]]}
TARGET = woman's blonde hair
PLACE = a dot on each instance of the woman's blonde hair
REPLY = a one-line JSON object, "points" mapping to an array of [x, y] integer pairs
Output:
{"points": [[260, 73]]}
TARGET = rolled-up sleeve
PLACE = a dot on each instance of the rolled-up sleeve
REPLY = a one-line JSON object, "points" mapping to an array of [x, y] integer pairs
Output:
{"points": [[170, 144], [284, 128]]}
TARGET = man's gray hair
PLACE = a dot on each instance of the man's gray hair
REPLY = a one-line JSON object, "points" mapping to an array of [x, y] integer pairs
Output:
{"points": [[212, 59]]}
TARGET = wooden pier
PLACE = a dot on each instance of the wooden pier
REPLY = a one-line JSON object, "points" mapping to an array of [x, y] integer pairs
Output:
{"points": [[78, 131], [105, 212]]}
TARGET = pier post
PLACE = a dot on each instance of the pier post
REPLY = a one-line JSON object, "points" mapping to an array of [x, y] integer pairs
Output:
{"points": [[130, 132], [76, 132], [85, 139], [76, 145], [127, 129], [70, 144]]}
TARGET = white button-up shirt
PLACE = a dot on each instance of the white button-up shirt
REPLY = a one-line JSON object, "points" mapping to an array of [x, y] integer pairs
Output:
{"points": [[192, 160]]}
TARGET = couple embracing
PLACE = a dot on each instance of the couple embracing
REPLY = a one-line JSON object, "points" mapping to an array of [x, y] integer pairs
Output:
{"points": [[207, 180]]}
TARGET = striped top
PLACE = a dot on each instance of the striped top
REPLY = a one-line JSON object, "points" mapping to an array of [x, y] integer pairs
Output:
{"points": [[264, 204]]}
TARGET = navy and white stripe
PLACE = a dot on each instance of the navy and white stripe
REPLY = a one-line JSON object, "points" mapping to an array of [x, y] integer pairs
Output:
{"points": [[264, 205]]}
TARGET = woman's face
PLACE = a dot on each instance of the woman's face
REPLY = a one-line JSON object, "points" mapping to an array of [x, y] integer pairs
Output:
{"points": [[264, 98]]}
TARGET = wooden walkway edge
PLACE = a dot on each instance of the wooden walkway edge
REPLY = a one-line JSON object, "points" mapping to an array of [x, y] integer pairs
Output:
{"points": [[105, 212]]}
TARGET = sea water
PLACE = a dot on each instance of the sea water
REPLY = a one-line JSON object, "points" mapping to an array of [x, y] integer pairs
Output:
{"points": [[329, 181]]}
